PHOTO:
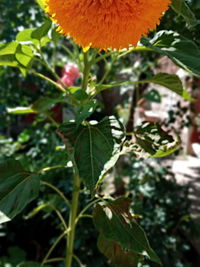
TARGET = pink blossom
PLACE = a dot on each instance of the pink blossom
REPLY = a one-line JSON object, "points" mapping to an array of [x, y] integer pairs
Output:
{"points": [[69, 75], [72, 71]]}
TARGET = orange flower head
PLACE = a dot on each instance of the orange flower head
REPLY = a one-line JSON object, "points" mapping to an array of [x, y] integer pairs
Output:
{"points": [[103, 24]]}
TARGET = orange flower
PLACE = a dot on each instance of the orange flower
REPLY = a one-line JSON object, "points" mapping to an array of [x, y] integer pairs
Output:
{"points": [[103, 24]]}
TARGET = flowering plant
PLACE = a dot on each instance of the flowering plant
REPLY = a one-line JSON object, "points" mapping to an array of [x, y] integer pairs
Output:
{"points": [[107, 30]]}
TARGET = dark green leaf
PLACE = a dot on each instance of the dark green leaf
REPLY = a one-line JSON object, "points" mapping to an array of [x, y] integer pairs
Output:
{"points": [[85, 111], [182, 51], [115, 223], [116, 254], [42, 31], [93, 146], [55, 35], [8, 60], [153, 96], [17, 188], [170, 81]]}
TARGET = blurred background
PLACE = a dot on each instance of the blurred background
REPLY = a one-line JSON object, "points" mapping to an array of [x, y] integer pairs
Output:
{"points": [[165, 192]]}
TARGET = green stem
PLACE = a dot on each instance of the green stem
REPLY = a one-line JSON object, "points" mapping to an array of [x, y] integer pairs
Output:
{"points": [[78, 260], [53, 247], [72, 218], [60, 193], [49, 80], [86, 71], [54, 260], [85, 209]]}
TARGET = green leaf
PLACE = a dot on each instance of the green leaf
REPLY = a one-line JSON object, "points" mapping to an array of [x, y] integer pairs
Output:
{"points": [[85, 111], [153, 96], [42, 31], [153, 140], [170, 81], [42, 105], [113, 251], [8, 60], [41, 3], [182, 51], [93, 146], [45, 103], [8, 48], [35, 35], [7, 54], [17, 188], [24, 55], [55, 35], [115, 223], [26, 36], [182, 9]]}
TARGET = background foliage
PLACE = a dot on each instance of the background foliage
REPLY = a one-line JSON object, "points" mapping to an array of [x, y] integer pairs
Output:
{"points": [[32, 140]]}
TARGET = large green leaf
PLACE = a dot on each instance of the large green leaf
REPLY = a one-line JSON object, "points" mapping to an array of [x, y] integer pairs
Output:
{"points": [[115, 223], [182, 9], [17, 188], [93, 146], [182, 51]]}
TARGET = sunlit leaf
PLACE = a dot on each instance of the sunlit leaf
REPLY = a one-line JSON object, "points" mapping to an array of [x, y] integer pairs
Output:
{"points": [[182, 51], [93, 146], [155, 141]]}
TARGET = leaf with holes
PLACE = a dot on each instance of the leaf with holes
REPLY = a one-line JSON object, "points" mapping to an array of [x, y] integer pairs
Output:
{"points": [[17, 188], [182, 51], [115, 223], [153, 140], [93, 146]]}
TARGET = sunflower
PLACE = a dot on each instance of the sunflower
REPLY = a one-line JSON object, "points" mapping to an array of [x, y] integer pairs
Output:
{"points": [[103, 24]]}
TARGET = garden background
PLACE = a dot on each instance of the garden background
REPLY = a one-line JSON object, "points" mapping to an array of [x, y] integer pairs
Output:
{"points": [[164, 191]]}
